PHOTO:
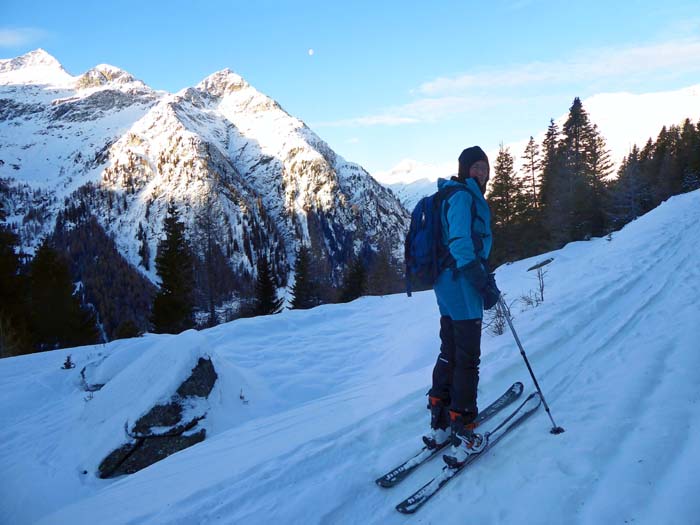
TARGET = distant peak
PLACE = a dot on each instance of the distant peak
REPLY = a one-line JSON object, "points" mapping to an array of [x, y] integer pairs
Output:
{"points": [[103, 74], [40, 57], [409, 171], [222, 82], [36, 58], [35, 67], [108, 68]]}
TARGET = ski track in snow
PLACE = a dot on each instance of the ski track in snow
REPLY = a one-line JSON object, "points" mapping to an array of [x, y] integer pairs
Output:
{"points": [[337, 398]]}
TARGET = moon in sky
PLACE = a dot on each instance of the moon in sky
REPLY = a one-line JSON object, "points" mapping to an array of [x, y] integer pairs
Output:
{"points": [[311, 52]]}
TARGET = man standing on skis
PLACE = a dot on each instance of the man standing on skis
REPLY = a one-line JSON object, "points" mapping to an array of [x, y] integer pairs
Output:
{"points": [[463, 289]]}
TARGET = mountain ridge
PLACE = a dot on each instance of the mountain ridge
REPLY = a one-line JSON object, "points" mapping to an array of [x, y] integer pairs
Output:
{"points": [[221, 146]]}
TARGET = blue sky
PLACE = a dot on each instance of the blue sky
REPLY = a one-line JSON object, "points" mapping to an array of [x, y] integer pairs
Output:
{"points": [[386, 80]]}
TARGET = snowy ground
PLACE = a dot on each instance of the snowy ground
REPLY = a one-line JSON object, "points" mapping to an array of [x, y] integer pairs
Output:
{"points": [[336, 398]]}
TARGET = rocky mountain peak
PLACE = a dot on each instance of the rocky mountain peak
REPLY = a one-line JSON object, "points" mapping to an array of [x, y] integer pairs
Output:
{"points": [[36, 58], [227, 154], [104, 74], [35, 67], [222, 82]]}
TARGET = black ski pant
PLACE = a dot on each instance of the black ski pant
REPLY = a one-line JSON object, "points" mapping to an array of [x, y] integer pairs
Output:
{"points": [[456, 372]]}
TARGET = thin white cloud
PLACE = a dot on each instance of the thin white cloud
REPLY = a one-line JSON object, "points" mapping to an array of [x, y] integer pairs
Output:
{"points": [[679, 56], [449, 96], [422, 110], [21, 36], [372, 120]]}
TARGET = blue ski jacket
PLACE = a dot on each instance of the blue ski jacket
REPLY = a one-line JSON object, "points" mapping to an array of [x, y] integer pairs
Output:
{"points": [[456, 296]]}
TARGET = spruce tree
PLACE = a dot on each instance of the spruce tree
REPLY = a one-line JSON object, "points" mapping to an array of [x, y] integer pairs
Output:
{"points": [[266, 301], [573, 179], [384, 276], [691, 181], [627, 192], [690, 156], [662, 168], [502, 201], [601, 166], [13, 310], [9, 269], [510, 207], [577, 141], [551, 209], [647, 176], [57, 318], [531, 156], [173, 305], [354, 282], [305, 288]]}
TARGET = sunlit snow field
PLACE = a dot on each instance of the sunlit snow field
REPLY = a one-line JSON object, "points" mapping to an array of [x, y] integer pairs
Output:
{"points": [[336, 397]]}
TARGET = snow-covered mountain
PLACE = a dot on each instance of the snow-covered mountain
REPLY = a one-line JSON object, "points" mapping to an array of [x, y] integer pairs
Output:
{"points": [[107, 141], [410, 180], [624, 119], [311, 406], [410, 193]]}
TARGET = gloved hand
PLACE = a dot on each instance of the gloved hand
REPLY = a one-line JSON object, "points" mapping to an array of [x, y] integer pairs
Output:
{"points": [[476, 274], [490, 293]]}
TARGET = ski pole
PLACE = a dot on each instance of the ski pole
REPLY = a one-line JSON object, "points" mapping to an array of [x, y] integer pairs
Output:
{"points": [[501, 302]]}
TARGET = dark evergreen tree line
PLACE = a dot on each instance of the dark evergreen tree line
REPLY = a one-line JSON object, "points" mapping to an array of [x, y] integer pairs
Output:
{"points": [[650, 175], [114, 300], [566, 193], [121, 296], [57, 317], [40, 309], [14, 335]]}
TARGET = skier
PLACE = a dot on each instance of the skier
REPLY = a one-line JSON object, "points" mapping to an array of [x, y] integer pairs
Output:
{"points": [[463, 289]]}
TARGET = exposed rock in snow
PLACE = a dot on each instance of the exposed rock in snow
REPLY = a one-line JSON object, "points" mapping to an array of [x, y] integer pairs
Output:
{"points": [[165, 428], [103, 74]]}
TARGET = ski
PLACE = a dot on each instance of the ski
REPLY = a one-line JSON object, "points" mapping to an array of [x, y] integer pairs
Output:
{"points": [[427, 491], [399, 473]]}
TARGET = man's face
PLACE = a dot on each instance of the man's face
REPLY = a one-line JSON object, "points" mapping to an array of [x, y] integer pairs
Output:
{"points": [[479, 171]]}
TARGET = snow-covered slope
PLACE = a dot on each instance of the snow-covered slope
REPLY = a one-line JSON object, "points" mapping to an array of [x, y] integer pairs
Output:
{"points": [[624, 119], [107, 141], [337, 396]]}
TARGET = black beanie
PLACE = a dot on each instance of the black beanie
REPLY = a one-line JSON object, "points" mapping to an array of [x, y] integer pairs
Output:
{"points": [[471, 155]]}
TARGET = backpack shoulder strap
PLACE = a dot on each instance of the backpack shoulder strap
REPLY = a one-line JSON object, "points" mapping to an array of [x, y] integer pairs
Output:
{"points": [[445, 196]]}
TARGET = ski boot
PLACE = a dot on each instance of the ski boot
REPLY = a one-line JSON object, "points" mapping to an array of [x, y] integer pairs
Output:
{"points": [[440, 433], [465, 441]]}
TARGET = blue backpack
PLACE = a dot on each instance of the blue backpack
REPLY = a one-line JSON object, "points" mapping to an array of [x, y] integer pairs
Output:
{"points": [[425, 254]]}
